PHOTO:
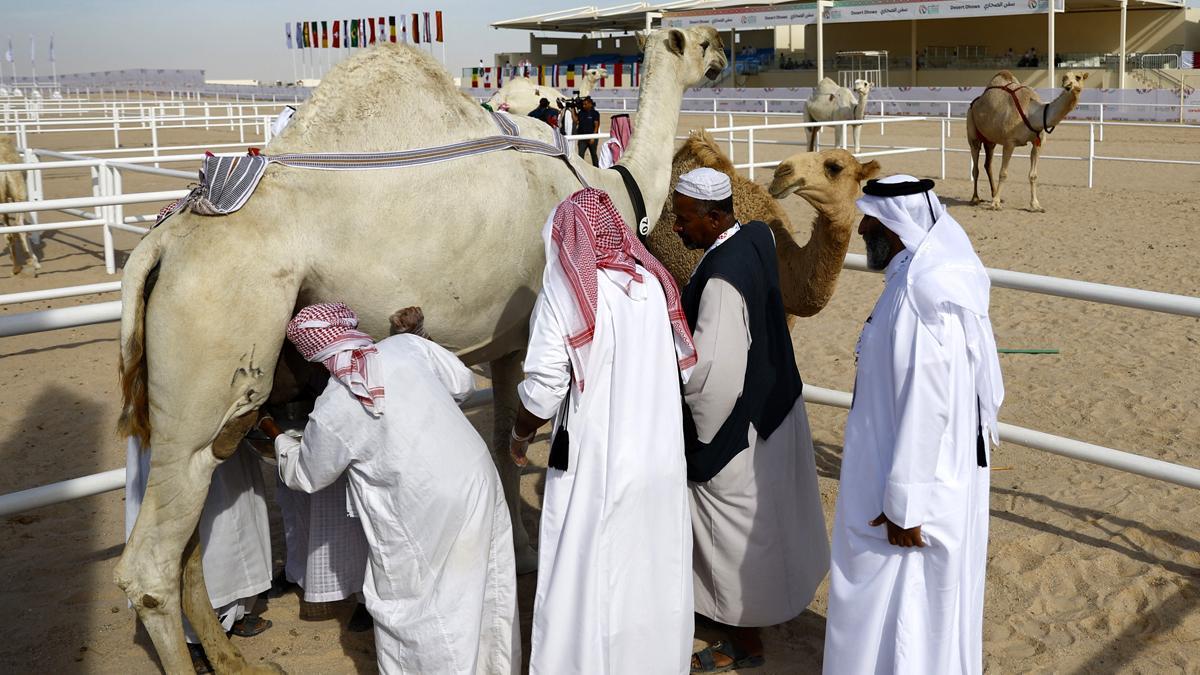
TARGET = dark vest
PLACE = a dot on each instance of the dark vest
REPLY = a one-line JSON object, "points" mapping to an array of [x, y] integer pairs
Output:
{"points": [[747, 262]]}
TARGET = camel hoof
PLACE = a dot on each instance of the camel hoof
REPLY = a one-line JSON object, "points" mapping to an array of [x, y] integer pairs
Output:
{"points": [[17, 270], [994, 206], [975, 201], [1037, 208], [527, 561]]}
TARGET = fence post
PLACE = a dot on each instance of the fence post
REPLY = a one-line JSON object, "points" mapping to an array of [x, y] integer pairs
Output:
{"points": [[730, 126], [1101, 122], [116, 126], [108, 215], [206, 122], [154, 135], [882, 132], [241, 126], [765, 120], [715, 112], [750, 150], [229, 114], [941, 132], [266, 129], [33, 181], [1091, 152]]}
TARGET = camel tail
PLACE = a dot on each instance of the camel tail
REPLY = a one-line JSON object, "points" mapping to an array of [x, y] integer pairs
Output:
{"points": [[137, 281]]}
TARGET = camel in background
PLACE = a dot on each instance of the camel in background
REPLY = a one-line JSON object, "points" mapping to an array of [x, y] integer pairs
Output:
{"points": [[831, 102], [521, 95], [1010, 114], [12, 189]]}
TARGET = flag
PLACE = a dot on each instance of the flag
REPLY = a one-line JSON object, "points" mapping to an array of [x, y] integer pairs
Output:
{"points": [[371, 29], [362, 32], [305, 45], [637, 74], [52, 48], [487, 77], [392, 27], [474, 78], [354, 32], [345, 33], [382, 23], [299, 39], [555, 82], [570, 77], [8, 54], [325, 35], [541, 72], [416, 29], [617, 76], [428, 34], [439, 25], [337, 34], [404, 30], [287, 28]]}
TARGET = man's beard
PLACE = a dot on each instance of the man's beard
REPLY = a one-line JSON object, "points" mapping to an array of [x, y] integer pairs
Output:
{"points": [[879, 250], [689, 243]]}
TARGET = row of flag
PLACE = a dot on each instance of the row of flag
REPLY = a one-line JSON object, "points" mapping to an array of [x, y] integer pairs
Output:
{"points": [[550, 75], [348, 33], [8, 54]]}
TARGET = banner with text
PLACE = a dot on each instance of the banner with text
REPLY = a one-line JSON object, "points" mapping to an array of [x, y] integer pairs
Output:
{"points": [[854, 11]]}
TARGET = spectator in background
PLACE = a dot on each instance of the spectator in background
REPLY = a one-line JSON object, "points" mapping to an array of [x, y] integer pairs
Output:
{"points": [[545, 113], [588, 122]]}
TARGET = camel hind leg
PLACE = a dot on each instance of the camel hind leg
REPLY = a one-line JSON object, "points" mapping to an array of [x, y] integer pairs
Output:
{"points": [[975, 147], [1005, 159], [506, 375], [206, 378]]}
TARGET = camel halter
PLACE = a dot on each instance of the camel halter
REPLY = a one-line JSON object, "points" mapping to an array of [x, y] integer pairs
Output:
{"points": [[226, 183], [1012, 89]]}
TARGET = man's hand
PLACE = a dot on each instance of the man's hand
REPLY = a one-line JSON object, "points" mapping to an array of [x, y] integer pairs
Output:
{"points": [[898, 536], [517, 447]]}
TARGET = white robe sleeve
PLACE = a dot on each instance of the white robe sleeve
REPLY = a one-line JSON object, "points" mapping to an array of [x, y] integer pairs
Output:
{"points": [[547, 364], [449, 369], [722, 339], [921, 371], [313, 462]]}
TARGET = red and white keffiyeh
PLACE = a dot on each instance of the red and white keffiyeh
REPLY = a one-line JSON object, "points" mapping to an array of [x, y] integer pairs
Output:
{"points": [[587, 234], [326, 333], [621, 129]]}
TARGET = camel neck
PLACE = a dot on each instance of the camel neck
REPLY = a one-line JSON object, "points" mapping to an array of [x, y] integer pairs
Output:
{"points": [[1061, 106], [653, 142]]}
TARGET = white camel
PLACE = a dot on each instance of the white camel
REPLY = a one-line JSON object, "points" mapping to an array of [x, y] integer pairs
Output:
{"points": [[206, 299], [520, 95], [831, 102], [12, 189]]}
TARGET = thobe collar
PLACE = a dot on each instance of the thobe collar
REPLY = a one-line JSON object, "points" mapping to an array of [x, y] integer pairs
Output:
{"points": [[724, 237]]}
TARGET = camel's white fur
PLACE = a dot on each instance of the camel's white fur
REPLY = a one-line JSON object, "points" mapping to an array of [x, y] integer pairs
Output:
{"points": [[206, 299], [831, 102], [520, 95]]}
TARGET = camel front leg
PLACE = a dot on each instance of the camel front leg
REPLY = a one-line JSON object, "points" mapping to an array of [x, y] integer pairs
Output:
{"points": [[975, 146], [506, 375], [857, 138], [1034, 205], [1005, 159], [813, 132]]}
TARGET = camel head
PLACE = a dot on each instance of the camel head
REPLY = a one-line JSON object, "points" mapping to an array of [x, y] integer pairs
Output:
{"points": [[1073, 81], [862, 88], [699, 50], [822, 178], [591, 78]]}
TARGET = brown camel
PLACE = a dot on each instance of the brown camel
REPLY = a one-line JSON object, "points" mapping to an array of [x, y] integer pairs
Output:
{"points": [[1010, 114], [828, 180], [12, 189]]}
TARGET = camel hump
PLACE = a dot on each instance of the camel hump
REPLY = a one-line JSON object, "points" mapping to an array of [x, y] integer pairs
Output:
{"points": [[389, 97], [1002, 78], [827, 86], [701, 150]]}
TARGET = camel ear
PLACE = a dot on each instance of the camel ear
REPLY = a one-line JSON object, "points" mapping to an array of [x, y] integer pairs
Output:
{"points": [[642, 36], [676, 41], [1085, 75], [869, 170]]}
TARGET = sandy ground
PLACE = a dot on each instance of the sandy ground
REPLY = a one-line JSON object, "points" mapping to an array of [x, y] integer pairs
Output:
{"points": [[1091, 570]]}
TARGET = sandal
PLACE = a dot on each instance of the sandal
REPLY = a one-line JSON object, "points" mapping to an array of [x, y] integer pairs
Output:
{"points": [[738, 658], [199, 659], [249, 626]]}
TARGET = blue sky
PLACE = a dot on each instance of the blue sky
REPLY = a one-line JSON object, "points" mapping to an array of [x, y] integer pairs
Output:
{"points": [[231, 39]]}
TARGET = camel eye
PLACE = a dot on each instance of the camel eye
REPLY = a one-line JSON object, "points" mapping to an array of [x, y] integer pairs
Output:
{"points": [[833, 168], [704, 45]]}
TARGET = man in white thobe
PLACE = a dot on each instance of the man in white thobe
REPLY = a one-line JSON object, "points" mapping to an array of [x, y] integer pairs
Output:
{"points": [[760, 546], [607, 348], [441, 578], [910, 534], [235, 539]]}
